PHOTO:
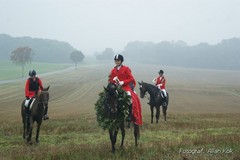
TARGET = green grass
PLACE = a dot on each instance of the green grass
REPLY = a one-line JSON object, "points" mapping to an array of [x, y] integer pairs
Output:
{"points": [[204, 136], [72, 131], [8, 70]]}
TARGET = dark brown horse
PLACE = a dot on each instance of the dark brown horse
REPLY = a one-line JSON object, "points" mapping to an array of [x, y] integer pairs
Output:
{"points": [[112, 109], [155, 100], [36, 114]]}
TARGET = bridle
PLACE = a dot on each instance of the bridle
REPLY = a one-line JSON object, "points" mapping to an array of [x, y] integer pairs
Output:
{"points": [[109, 97], [42, 100], [147, 95]]}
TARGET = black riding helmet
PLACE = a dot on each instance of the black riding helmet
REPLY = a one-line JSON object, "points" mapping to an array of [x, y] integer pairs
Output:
{"points": [[161, 72], [119, 57], [32, 73]]}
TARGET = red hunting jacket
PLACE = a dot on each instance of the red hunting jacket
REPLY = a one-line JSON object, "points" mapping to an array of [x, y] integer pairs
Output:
{"points": [[124, 74], [161, 80], [32, 86]]}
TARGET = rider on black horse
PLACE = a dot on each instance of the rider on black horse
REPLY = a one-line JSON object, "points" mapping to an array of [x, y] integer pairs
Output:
{"points": [[160, 82], [33, 85], [121, 75]]}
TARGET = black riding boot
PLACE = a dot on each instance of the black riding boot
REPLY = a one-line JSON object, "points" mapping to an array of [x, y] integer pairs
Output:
{"points": [[45, 117], [129, 118]]}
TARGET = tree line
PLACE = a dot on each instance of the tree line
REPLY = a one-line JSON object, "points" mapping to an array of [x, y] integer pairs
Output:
{"points": [[224, 55], [23, 55]]}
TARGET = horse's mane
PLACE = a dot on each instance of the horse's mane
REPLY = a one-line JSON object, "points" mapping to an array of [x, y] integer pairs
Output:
{"points": [[152, 89], [149, 85]]}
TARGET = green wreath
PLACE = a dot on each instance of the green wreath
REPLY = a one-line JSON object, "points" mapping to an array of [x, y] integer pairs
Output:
{"points": [[110, 123]]}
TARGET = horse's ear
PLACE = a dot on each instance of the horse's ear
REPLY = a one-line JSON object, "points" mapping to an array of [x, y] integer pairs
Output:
{"points": [[105, 88], [46, 89], [139, 83]]}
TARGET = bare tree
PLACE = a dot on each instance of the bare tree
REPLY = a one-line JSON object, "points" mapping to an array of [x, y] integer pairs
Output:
{"points": [[76, 56], [21, 56]]}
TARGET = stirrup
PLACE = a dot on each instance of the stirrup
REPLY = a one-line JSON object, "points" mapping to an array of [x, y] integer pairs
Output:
{"points": [[164, 103]]}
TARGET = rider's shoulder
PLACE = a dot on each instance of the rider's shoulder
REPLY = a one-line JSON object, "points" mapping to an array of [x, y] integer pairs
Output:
{"points": [[125, 67], [39, 79]]}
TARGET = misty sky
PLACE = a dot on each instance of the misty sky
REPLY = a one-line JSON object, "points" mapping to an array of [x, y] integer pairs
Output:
{"points": [[93, 25]]}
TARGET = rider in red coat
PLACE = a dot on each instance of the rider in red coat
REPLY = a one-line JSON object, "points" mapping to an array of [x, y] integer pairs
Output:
{"points": [[160, 82], [121, 75], [32, 87]]}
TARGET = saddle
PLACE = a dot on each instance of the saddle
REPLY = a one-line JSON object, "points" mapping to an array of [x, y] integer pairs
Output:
{"points": [[161, 93], [165, 99], [29, 102]]}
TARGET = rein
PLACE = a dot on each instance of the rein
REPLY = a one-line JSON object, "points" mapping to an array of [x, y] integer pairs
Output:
{"points": [[147, 95]]}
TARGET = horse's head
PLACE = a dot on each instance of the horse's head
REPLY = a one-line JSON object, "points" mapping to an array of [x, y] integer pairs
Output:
{"points": [[43, 96], [142, 89], [111, 98]]}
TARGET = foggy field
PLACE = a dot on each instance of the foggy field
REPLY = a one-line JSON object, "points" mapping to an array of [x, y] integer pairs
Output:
{"points": [[202, 118]]}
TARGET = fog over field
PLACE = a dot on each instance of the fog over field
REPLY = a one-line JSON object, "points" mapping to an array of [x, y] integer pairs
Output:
{"points": [[93, 25], [76, 91], [195, 42], [202, 115]]}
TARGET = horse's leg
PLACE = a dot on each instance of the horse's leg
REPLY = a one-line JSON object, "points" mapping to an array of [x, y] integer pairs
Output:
{"points": [[164, 108], [115, 136], [30, 130], [123, 134], [24, 127], [27, 125], [151, 108], [38, 130], [136, 133], [157, 113], [113, 139], [23, 120]]}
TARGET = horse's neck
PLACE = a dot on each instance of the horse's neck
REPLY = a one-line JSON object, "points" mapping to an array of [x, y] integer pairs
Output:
{"points": [[36, 101], [152, 90]]}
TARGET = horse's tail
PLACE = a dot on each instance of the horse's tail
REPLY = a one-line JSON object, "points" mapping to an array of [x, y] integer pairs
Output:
{"points": [[136, 131], [167, 98], [23, 109]]}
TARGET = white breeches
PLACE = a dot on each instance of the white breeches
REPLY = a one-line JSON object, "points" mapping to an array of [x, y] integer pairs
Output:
{"points": [[164, 92], [129, 93], [27, 101]]}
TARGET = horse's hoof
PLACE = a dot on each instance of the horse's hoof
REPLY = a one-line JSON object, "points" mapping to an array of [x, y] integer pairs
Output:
{"points": [[121, 147], [29, 142], [37, 141], [28, 139]]}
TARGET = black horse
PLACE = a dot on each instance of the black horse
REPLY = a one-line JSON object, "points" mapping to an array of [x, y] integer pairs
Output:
{"points": [[156, 99], [36, 114], [112, 109]]}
